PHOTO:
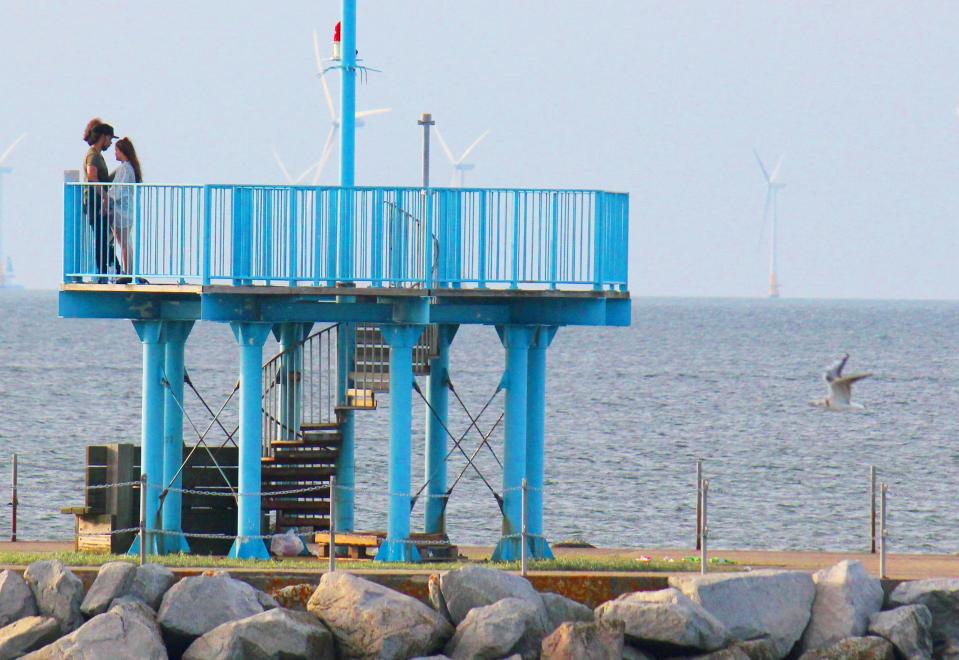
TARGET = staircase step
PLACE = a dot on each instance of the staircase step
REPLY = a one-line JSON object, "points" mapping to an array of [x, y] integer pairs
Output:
{"points": [[322, 489], [320, 426], [272, 472], [296, 507], [309, 443], [323, 456]]}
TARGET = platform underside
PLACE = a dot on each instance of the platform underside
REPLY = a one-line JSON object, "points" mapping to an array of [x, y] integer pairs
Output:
{"points": [[275, 304]]}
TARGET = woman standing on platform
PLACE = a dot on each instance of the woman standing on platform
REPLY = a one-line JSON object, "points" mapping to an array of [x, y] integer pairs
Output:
{"points": [[123, 200]]}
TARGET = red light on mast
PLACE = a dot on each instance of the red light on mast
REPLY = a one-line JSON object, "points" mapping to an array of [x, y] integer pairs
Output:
{"points": [[336, 41]]}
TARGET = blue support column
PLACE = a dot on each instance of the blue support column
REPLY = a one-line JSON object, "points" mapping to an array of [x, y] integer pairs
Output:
{"points": [[347, 140], [516, 339], [175, 334], [346, 418], [290, 376], [401, 339], [535, 444], [437, 420], [250, 336], [151, 434]]}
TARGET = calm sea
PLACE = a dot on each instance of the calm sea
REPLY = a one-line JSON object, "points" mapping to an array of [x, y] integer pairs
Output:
{"points": [[629, 411]]}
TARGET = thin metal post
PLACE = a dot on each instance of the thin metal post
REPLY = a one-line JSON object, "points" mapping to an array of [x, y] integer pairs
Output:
{"points": [[882, 530], [872, 509], [704, 531], [332, 546], [13, 503], [143, 518], [699, 503], [523, 552], [426, 121]]}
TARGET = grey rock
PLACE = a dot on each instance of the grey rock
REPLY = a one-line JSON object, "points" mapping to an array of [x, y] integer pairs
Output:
{"points": [[561, 609], [941, 596], [908, 628], [16, 598], [432, 657], [27, 634], [57, 591], [150, 583], [854, 648], [196, 605], [369, 620], [759, 649], [124, 632], [665, 621], [765, 603], [267, 601], [127, 599], [846, 596], [633, 653], [734, 652], [276, 634], [474, 586], [295, 596], [436, 597], [113, 580], [508, 626], [601, 640]]}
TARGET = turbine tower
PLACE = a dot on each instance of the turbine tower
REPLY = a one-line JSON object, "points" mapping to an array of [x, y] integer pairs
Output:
{"points": [[460, 166], [770, 215], [6, 265]]}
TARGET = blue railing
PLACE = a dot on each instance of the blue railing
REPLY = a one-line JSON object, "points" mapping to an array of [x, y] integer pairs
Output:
{"points": [[301, 236]]}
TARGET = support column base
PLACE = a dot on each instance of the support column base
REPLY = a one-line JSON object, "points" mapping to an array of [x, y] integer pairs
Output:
{"points": [[249, 549], [398, 551], [509, 548], [539, 548], [152, 548], [174, 544]]}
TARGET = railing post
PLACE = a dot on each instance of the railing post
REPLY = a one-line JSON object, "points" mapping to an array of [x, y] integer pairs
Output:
{"points": [[207, 238], [428, 279], [600, 218], [699, 503], [514, 277], [872, 509], [524, 532], [72, 217], [293, 229], [481, 242], [242, 235], [882, 530], [554, 243], [376, 255], [143, 518], [332, 545], [704, 551], [13, 503]]}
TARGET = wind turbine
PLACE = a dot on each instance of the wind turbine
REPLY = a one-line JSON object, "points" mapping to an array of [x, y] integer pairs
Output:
{"points": [[773, 186], [6, 265], [334, 117], [460, 166]]}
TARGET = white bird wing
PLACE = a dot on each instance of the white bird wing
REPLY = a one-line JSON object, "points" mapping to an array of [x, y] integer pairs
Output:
{"points": [[446, 148], [841, 388], [470, 148], [835, 370], [10, 149]]}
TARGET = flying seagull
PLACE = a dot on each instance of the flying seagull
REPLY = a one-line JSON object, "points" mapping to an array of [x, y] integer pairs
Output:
{"points": [[840, 387]]}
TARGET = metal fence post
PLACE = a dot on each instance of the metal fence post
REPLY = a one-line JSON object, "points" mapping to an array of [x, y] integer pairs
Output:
{"points": [[332, 547], [13, 503], [704, 530], [143, 519], [523, 530], [699, 503], [882, 530], [872, 509]]}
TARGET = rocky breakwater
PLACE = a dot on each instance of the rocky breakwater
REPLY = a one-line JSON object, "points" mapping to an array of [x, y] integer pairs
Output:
{"points": [[143, 613]]}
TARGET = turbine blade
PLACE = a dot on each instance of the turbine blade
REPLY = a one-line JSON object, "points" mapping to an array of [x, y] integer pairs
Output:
{"points": [[325, 156], [761, 166], [10, 149], [316, 53], [373, 113], [475, 144], [772, 177], [319, 72], [302, 176], [762, 227], [286, 172], [446, 149]]}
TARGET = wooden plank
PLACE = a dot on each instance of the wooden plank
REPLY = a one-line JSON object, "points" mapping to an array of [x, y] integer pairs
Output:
{"points": [[364, 540], [94, 524], [96, 455]]}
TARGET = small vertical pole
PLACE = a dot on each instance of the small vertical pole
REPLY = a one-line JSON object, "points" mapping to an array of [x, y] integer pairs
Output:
{"points": [[332, 547], [699, 503], [882, 530], [143, 518], [426, 121], [13, 503], [872, 509], [704, 531], [524, 552]]}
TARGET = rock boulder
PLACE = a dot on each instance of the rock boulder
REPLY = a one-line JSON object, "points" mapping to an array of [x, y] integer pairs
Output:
{"points": [[846, 596], [16, 598], [27, 634], [57, 591], [561, 610], [295, 596], [766, 603], [369, 620], [941, 596], [150, 583], [665, 621], [277, 634], [602, 640], [854, 648], [124, 632], [908, 628], [113, 580], [196, 605], [507, 627], [470, 587]]}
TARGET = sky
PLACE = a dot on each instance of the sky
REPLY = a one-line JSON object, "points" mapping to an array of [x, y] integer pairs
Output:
{"points": [[663, 100]]}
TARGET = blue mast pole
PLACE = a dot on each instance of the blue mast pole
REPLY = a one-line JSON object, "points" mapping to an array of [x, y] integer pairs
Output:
{"points": [[176, 333], [437, 421], [535, 440]]}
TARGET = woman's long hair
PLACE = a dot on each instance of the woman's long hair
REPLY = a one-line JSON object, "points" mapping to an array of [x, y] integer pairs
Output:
{"points": [[125, 146], [88, 135]]}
